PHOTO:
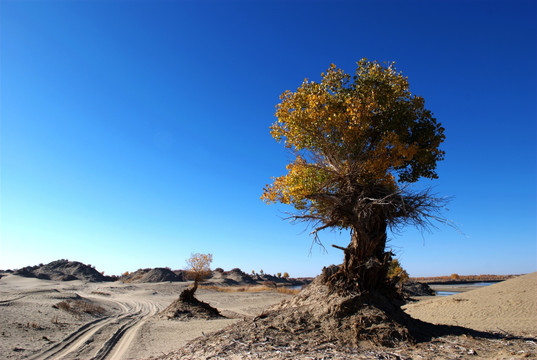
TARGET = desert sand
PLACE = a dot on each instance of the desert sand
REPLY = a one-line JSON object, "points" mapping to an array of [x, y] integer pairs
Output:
{"points": [[32, 328], [509, 306], [124, 322]]}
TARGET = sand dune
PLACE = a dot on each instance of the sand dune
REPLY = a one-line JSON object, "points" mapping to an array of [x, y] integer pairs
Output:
{"points": [[509, 306]]}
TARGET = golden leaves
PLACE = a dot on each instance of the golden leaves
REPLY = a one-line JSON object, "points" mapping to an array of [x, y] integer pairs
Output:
{"points": [[302, 180], [199, 266], [372, 125]]}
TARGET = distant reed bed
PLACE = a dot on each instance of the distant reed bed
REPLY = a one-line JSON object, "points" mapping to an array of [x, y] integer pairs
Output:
{"points": [[251, 288]]}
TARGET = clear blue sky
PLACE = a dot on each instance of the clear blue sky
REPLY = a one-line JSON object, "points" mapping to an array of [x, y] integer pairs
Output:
{"points": [[134, 133]]}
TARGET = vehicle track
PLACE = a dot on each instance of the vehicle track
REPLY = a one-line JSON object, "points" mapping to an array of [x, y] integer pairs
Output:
{"points": [[9, 301], [104, 338], [124, 342]]}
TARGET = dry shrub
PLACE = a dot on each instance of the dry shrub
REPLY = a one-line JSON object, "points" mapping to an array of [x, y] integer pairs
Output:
{"points": [[89, 308], [64, 305], [78, 307], [396, 273]]}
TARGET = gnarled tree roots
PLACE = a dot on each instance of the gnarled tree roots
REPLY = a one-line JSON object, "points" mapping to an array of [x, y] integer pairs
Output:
{"points": [[345, 315], [188, 307]]}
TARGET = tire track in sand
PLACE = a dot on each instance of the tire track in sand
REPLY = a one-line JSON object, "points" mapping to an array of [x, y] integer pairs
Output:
{"points": [[124, 343], [119, 347], [119, 331]]}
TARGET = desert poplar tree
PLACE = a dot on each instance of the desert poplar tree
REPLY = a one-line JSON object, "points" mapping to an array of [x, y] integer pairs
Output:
{"points": [[357, 142], [198, 269]]}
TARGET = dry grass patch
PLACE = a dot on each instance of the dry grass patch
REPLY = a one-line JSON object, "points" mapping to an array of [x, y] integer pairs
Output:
{"points": [[80, 306], [288, 291], [251, 288]]}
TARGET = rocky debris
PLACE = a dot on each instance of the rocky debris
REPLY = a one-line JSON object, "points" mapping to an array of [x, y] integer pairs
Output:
{"points": [[63, 270], [413, 288], [152, 276]]}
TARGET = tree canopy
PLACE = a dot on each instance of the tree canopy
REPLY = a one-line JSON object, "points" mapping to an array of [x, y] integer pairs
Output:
{"points": [[354, 138], [198, 269], [199, 266]]}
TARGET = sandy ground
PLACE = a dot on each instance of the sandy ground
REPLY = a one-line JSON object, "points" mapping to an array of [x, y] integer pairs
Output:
{"points": [[130, 328], [30, 327], [509, 306]]}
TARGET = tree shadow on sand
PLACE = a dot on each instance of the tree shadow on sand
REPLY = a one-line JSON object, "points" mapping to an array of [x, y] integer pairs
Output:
{"points": [[426, 332]]}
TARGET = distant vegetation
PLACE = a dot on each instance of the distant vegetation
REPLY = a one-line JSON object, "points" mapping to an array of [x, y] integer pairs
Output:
{"points": [[252, 288], [396, 273], [462, 278]]}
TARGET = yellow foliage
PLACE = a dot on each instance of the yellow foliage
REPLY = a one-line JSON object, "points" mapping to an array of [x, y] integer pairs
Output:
{"points": [[368, 129], [199, 266], [302, 180], [396, 272]]}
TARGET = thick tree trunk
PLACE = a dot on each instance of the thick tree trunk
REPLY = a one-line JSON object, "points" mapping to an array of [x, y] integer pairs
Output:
{"points": [[366, 263]]}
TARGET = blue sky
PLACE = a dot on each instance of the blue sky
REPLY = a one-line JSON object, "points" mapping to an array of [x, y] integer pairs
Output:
{"points": [[134, 133]]}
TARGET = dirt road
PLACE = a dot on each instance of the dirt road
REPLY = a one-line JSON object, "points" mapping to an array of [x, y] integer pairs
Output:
{"points": [[34, 326], [39, 330], [104, 338]]}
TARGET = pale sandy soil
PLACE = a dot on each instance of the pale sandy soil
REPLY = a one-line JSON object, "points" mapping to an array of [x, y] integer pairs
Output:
{"points": [[130, 329], [30, 328], [509, 306]]}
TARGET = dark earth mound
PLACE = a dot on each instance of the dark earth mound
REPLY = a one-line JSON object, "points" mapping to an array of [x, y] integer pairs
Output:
{"points": [[237, 277], [193, 308], [218, 277], [63, 270], [413, 288], [152, 276], [234, 276]]}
